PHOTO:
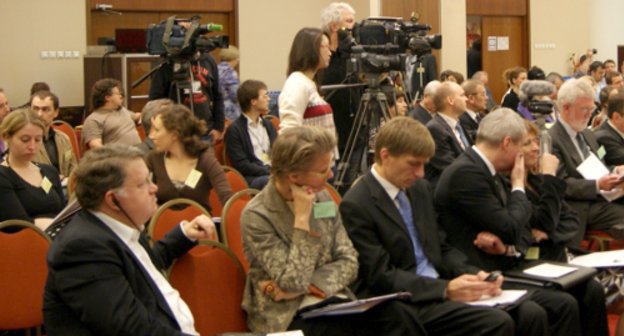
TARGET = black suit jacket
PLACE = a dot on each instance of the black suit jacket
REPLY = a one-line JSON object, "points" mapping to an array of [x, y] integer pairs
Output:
{"points": [[421, 114], [470, 126], [468, 201], [96, 286], [447, 148], [613, 143], [386, 254], [578, 188], [240, 150]]}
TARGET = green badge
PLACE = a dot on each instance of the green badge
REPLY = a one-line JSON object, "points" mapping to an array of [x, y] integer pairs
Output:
{"points": [[532, 253], [324, 210], [601, 152]]}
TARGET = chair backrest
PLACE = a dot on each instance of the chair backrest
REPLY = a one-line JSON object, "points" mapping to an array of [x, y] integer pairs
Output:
{"points": [[219, 151], [171, 214], [333, 193], [237, 183], [67, 129], [24, 271], [141, 131], [230, 223], [211, 281], [83, 146], [274, 120]]}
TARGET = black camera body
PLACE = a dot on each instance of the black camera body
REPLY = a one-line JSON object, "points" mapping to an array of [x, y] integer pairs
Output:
{"points": [[381, 44], [172, 39]]}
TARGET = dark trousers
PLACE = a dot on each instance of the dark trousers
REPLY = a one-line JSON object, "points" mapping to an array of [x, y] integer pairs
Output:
{"points": [[392, 318]]}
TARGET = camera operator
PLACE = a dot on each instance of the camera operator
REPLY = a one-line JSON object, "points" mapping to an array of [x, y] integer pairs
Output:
{"points": [[344, 102], [207, 101]]}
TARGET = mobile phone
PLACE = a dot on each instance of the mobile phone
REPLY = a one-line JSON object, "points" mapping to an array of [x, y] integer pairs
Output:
{"points": [[493, 276]]}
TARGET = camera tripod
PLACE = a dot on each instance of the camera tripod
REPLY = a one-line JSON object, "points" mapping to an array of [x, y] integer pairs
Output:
{"points": [[372, 110], [182, 79]]}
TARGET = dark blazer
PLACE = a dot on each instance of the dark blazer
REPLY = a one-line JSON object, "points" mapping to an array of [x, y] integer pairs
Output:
{"points": [[613, 143], [552, 215], [470, 126], [578, 188], [239, 148], [468, 201], [96, 286], [386, 254], [421, 114], [447, 148]]}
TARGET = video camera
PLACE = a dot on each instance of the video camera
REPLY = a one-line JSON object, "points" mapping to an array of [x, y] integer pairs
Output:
{"points": [[381, 44], [182, 38]]}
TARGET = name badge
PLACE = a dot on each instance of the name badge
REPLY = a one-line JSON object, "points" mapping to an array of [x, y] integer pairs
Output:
{"points": [[196, 86], [324, 210], [193, 178], [532, 253], [46, 185], [601, 152], [265, 157]]}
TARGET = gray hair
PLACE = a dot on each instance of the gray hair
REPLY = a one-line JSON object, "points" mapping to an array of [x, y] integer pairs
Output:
{"points": [[150, 109], [102, 169], [498, 124], [431, 87], [333, 14], [572, 90]]}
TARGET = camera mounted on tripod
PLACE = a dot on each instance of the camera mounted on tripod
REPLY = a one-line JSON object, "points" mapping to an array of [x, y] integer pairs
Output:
{"points": [[183, 38], [381, 44]]}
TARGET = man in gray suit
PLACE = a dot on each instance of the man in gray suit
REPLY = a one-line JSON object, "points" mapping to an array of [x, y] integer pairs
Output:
{"points": [[572, 144]]}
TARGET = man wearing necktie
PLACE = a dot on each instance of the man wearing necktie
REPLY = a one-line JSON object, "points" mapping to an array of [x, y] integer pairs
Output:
{"points": [[390, 218], [447, 132], [490, 222], [572, 144]]}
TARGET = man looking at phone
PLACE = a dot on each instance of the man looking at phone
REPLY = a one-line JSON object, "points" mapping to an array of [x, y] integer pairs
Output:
{"points": [[392, 223]]}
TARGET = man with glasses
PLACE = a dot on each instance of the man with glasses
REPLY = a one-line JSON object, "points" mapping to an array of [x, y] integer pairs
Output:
{"points": [[57, 148], [476, 105], [573, 143], [109, 122], [104, 278]]}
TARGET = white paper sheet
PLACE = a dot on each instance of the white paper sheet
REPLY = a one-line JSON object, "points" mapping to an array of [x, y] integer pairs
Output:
{"points": [[548, 270], [601, 259], [593, 169], [508, 296]]}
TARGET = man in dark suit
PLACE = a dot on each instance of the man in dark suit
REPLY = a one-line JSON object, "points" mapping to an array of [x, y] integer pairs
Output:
{"points": [[424, 110], [490, 222], [572, 143], [610, 134], [448, 134], [390, 218], [104, 279], [475, 107], [249, 139]]}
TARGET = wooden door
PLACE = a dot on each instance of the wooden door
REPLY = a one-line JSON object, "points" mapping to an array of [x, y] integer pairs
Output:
{"points": [[496, 62]]}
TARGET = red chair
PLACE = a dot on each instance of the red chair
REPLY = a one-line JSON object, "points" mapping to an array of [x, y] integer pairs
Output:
{"points": [[171, 214], [602, 241], [230, 223], [274, 120], [141, 131], [67, 129], [211, 281], [24, 272], [237, 183]]}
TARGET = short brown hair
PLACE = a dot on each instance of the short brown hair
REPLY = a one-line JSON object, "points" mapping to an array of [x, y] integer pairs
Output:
{"points": [[178, 119], [100, 170], [404, 135], [616, 104], [46, 94], [102, 89], [248, 90], [296, 147], [229, 54], [17, 119]]}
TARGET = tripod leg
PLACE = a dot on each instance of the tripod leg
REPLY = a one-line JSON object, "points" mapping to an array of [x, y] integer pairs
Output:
{"points": [[344, 165]]}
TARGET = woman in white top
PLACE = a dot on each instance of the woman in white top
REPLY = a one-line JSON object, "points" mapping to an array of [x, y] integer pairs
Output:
{"points": [[300, 102]]}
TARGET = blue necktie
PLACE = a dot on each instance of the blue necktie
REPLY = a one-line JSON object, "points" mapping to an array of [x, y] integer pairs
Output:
{"points": [[462, 136], [423, 265]]}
